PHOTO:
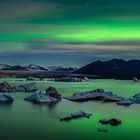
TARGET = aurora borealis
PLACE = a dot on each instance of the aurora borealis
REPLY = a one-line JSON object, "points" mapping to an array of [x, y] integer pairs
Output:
{"points": [[74, 32]]}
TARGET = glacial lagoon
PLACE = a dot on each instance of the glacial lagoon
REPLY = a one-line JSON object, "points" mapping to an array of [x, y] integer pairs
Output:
{"points": [[24, 120]]}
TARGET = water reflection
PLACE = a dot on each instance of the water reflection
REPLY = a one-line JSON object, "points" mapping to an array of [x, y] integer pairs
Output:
{"points": [[48, 105], [6, 105], [46, 109]]}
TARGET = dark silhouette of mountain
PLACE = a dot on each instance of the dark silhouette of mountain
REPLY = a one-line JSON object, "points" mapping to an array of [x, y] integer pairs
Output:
{"points": [[15, 68], [115, 68]]}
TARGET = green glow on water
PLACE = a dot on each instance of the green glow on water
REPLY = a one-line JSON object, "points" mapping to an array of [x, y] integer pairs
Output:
{"points": [[41, 121]]}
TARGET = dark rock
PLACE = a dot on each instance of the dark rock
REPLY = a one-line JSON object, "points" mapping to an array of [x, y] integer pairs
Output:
{"points": [[51, 91], [115, 121], [112, 121], [5, 87]]}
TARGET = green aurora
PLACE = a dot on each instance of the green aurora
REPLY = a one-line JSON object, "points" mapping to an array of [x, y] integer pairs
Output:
{"points": [[39, 26]]}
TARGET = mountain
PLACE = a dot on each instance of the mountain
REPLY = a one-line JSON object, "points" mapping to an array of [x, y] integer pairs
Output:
{"points": [[62, 69], [4, 66], [31, 67], [36, 67], [15, 68], [115, 68]]}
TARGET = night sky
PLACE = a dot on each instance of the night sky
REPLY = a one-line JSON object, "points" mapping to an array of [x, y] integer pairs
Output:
{"points": [[68, 32]]}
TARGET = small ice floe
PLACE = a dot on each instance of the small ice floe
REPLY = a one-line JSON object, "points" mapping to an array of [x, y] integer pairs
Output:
{"points": [[75, 115], [113, 121], [136, 80], [98, 94], [41, 98], [104, 130], [6, 98], [136, 98], [125, 102], [30, 87], [104, 121]]}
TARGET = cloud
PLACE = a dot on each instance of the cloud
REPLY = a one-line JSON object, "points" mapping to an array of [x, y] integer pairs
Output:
{"points": [[25, 9], [50, 45], [124, 43], [75, 58]]}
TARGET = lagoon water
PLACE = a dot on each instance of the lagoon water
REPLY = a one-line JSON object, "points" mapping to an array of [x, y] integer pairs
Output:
{"points": [[23, 120]]}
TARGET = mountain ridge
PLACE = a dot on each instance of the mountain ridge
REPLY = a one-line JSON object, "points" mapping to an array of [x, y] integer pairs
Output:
{"points": [[34, 67], [114, 68]]}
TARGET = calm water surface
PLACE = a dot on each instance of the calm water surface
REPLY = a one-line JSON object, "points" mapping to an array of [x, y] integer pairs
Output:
{"points": [[23, 120]]}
